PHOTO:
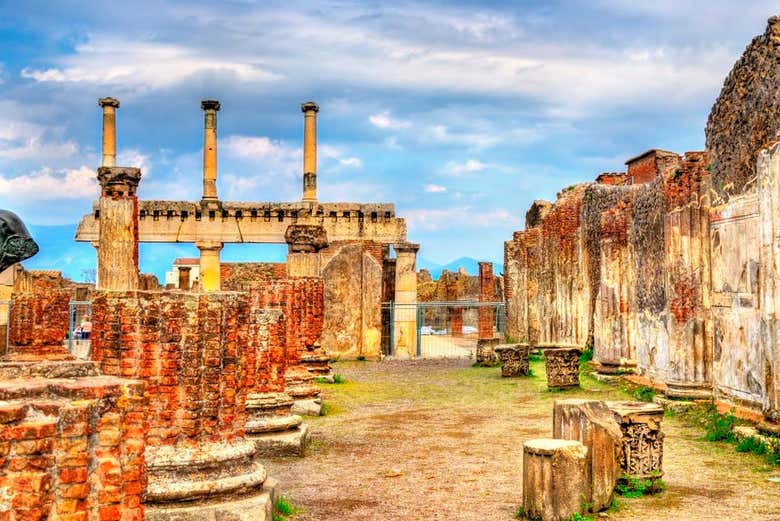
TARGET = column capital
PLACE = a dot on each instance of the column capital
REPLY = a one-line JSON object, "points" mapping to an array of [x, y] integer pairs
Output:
{"points": [[406, 247], [209, 245], [108, 102], [210, 104], [122, 179], [309, 106]]}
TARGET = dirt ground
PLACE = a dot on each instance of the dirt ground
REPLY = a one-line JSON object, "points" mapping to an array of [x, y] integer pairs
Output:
{"points": [[438, 439]]}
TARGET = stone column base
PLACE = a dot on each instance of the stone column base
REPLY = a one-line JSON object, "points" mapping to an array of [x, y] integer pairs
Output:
{"points": [[272, 426], [689, 391], [301, 388], [257, 506], [318, 364], [212, 475]]}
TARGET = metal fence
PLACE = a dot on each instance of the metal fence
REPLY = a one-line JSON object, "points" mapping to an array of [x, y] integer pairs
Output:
{"points": [[444, 329], [80, 328], [5, 325]]}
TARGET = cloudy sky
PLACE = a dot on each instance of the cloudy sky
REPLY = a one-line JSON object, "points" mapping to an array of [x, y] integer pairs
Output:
{"points": [[460, 113]]}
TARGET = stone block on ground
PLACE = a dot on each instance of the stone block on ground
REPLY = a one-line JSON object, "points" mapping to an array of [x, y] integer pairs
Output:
{"points": [[308, 407], [592, 423], [562, 365], [514, 359], [641, 455], [555, 478], [486, 354]]}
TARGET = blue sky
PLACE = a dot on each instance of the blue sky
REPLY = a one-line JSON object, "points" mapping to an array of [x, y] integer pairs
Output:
{"points": [[460, 113]]}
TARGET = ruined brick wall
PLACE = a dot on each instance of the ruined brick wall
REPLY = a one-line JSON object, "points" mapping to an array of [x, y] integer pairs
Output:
{"points": [[746, 115], [234, 275], [39, 323], [486, 315], [72, 449], [301, 301], [191, 349], [643, 170]]}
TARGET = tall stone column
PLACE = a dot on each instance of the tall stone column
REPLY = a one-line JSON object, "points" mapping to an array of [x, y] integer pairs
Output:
{"points": [[485, 315], [118, 238], [309, 110], [405, 320], [109, 106], [209, 265], [210, 108]]}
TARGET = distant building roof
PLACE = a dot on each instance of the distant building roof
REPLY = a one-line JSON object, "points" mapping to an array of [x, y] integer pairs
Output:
{"points": [[186, 261], [655, 151]]}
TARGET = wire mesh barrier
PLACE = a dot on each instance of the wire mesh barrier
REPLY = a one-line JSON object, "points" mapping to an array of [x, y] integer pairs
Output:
{"points": [[80, 329], [5, 325], [444, 329]]}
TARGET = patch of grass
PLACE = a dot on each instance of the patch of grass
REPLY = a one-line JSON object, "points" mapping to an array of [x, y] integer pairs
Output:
{"points": [[753, 445], [586, 356], [520, 514], [644, 393], [633, 487], [283, 509], [719, 427], [329, 409], [535, 358], [772, 455], [361, 358], [337, 379]]}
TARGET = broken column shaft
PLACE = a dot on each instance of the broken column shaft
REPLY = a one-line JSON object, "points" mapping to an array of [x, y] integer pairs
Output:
{"points": [[405, 319], [309, 110], [118, 239], [210, 108], [109, 130]]}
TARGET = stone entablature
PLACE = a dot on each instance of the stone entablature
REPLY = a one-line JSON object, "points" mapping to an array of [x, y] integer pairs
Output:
{"points": [[255, 222]]}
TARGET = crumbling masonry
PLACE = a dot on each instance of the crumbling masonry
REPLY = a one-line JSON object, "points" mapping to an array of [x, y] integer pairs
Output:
{"points": [[671, 269]]}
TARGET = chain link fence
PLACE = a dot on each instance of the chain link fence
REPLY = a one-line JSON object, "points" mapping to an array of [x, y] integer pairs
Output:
{"points": [[444, 329]]}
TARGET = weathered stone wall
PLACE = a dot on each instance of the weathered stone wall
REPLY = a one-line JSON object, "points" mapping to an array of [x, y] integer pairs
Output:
{"points": [[746, 115], [352, 274], [71, 447]]}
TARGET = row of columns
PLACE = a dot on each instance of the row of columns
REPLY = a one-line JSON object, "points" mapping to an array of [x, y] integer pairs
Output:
{"points": [[117, 246]]}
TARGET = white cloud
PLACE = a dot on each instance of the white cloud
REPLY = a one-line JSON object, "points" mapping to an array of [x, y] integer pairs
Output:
{"points": [[127, 63], [465, 217], [50, 185], [37, 148], [469, 167], [435, 189], [384, 121], [351, 162]]}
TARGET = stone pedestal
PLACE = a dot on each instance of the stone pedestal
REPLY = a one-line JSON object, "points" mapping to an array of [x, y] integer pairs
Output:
{"points": [[486, 351], [592, 423], [273, 427], [514, 359], [641, 455], [301, 388], [555, 478], [562, 365], [405, 316]]}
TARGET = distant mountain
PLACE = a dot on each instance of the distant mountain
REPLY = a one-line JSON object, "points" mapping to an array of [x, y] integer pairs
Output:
{"points": [[470, 264], [76, 260]]}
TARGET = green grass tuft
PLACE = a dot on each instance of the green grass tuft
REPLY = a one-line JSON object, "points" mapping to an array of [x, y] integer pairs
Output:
{"points": [[719, 427], [283, 509], [644, 394]]}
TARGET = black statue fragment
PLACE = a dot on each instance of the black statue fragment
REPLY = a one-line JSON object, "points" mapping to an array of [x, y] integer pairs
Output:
{"points": [[16, 244]]}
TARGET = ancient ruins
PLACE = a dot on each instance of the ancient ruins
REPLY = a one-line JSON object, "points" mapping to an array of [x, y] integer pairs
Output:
{"points": [[670, 269], [172, 400]]}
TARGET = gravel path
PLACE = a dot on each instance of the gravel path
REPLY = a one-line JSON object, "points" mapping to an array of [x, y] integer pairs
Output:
{"points": [[438, 439]]}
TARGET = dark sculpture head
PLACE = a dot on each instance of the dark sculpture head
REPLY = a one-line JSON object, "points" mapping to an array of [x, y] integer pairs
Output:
{"points": [[16, 244]]}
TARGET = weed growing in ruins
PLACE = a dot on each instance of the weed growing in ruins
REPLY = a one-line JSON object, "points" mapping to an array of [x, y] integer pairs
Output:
{"points": [[283, 509], [533, 357], [586, 356], [719, 427], [336, 379], [361, 358], [753, 445], [634, 487], [644, 394]]}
